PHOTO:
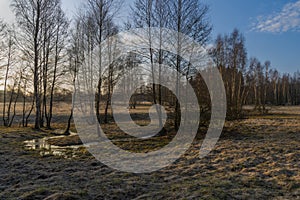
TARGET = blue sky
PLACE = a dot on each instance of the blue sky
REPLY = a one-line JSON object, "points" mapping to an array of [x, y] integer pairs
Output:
{"points": [[271, 28]]}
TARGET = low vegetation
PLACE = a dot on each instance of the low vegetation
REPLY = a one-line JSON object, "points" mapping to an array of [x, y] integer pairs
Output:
{"points": [[255, 158]]}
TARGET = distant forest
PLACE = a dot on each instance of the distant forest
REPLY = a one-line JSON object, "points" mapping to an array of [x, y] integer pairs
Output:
{"points": [[43, 52]]}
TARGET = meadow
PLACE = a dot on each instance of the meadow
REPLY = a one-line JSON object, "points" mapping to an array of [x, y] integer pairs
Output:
{"points": [[255, 158]]}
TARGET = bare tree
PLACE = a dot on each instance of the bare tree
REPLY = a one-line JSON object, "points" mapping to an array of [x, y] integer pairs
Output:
{"points": [[265, 85], [59, 43], [28, 97], [230, 56], [111, 48], [147, 14], [76, 57], [257, 71], [99, 14], [10, 61], [274, 81], [29, 18], [36, 20], [188, 17]]}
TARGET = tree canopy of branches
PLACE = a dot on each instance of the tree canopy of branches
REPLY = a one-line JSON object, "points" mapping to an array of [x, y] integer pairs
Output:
{"points": [[189, 17], [43, 27], [44, 53]]}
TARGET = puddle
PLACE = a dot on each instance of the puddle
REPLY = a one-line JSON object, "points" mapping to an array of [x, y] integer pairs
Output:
{"points": [[68, 151], [42, 145]]}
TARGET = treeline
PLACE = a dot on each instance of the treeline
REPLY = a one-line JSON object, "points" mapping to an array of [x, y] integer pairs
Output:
{"points": [[44, 52], [250, 82], [34, 58]]}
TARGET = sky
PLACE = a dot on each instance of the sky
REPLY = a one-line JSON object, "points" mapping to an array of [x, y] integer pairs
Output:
{"points": [[271, 28]]}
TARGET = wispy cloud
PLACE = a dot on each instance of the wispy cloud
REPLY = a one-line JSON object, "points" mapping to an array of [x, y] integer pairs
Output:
{"points": [[288, 19]]}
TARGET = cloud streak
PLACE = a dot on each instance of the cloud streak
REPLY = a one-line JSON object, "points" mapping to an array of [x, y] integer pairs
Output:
{"points": [[288, 19]]}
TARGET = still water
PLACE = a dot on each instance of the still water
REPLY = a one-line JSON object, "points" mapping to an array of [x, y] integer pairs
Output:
{"points": [[42, 145]]}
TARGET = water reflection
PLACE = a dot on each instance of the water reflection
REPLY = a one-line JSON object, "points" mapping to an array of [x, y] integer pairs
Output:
{"points": [[46, 149]]}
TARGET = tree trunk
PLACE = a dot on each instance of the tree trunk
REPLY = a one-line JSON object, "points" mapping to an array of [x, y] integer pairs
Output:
{"points": [[36, 80]]}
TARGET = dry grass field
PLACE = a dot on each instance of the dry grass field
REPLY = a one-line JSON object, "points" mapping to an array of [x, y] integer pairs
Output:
{"points": [[255, 158]]}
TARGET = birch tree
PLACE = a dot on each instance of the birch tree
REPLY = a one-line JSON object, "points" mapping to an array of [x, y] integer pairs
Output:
{"points": [[37, 21]]}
